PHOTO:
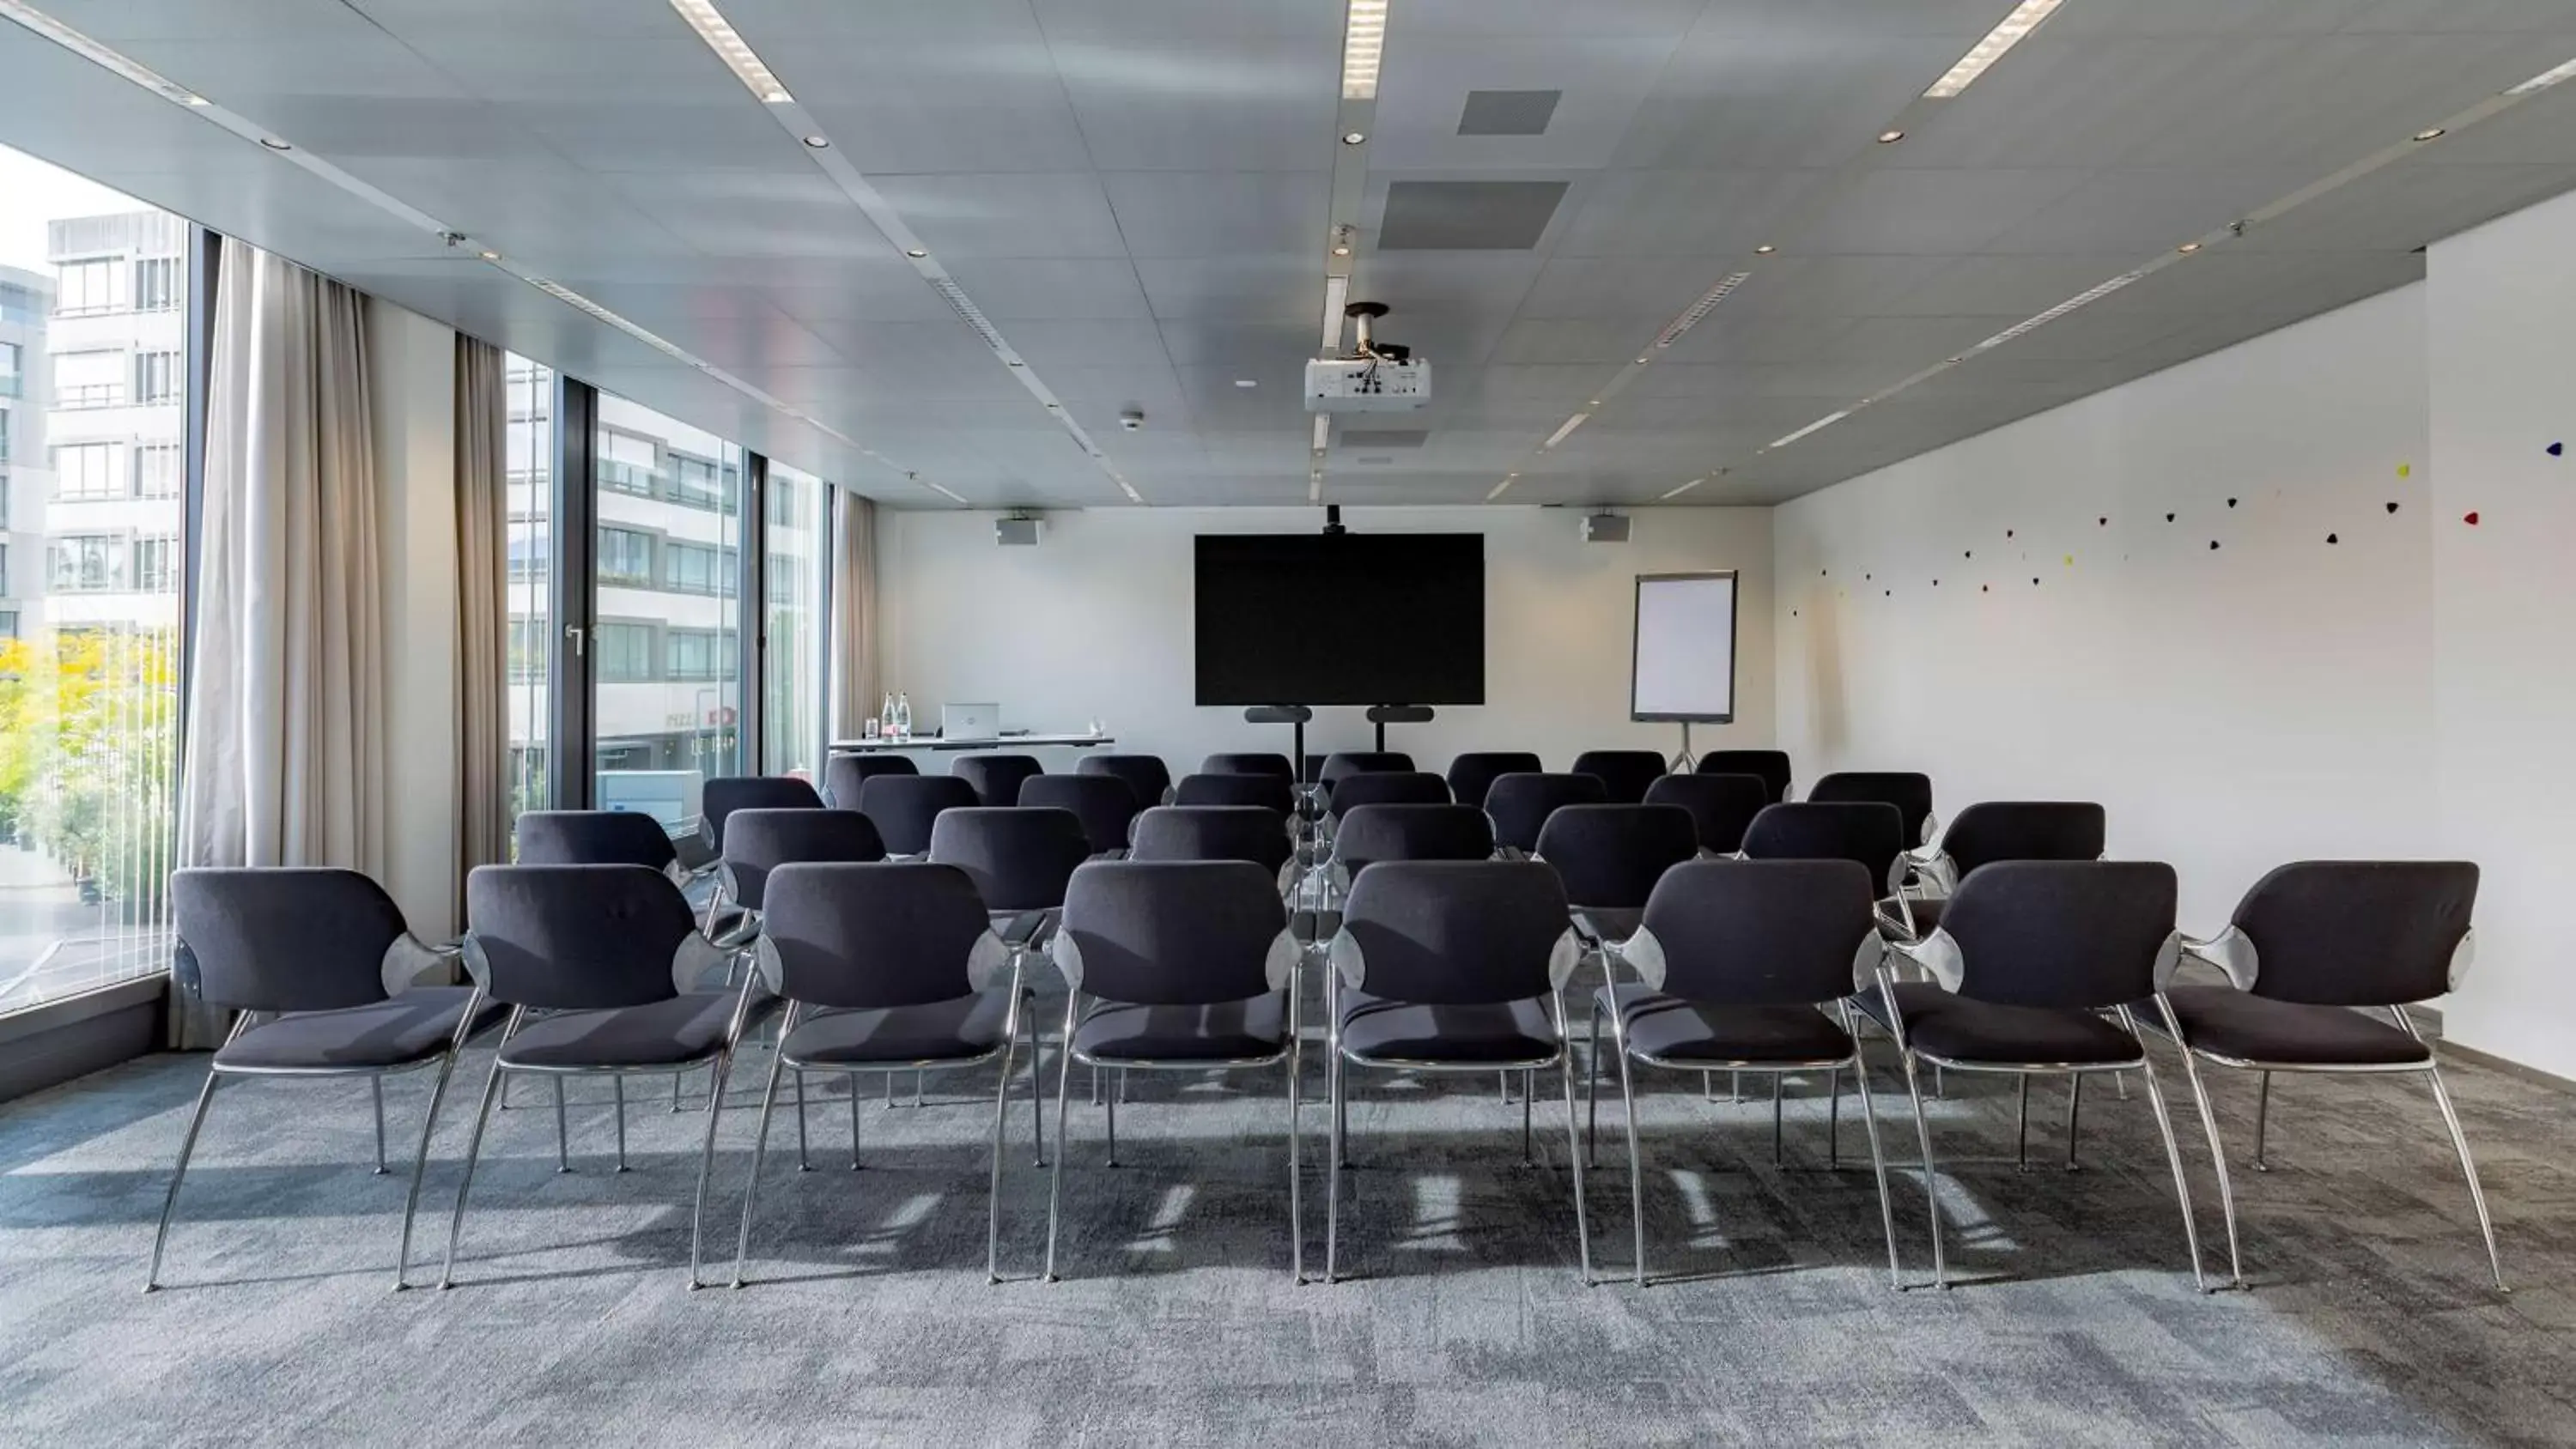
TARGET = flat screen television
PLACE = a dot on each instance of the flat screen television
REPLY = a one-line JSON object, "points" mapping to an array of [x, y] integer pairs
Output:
{"points": [[1350, 618]]}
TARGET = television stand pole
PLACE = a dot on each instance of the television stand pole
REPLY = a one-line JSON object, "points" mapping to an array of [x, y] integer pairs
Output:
{"points": [[1382, 715]]}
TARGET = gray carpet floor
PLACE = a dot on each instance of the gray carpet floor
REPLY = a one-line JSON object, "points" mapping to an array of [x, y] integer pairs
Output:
{"points": [[1464, 1320]]}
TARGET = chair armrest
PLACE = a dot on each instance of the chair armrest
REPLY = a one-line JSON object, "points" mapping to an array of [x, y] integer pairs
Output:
{"points": [[2231, 951], [411, 961]]}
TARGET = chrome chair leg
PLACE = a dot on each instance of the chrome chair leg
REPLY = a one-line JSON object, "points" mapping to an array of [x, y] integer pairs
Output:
{"points": [[1334, 1164], [563, 1139], [993, 1202], [1063, 1093], [187, 1146], [1503, 1087], [759, 1153], [1833, 1119], [1296, 1177], [1109, 1106], [1095, 1086], [2217, 1153], [1636, 1168], [1779, 1148], [802, 1164], [1931, 1173], [2074, 1105], [1573, 1134], [617, 1080], [1877, 1159], [1037, 1089], [1529, 1157], [1735, 1088], [675, 1094], [378, 1083], [429, 1121], [473, 1149], [2469, 1170], [1708, 1086], [917, 1075], [707, 1161], [2021, 1127], [1592, 1093], [2173, 1150], [2262, 1121]]}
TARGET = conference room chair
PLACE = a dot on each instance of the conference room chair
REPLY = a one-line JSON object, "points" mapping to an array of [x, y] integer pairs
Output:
{"points": [[1470, 775], [845, 775], [907, 807], [996, 778], [1869, 833], [2036, 970], [888, 967], [757, 843], [725, 794], [1997, 830], [1176, 966], [1247, 833], [1626, 774], [317, 966], [1771, 767], [1743, 966], [1385, 787], [1105, 804], [2310, 951], [1373, 833], [1720, 805], [1519, 804], [1256, 763], [1452, 966], [1909, 792], [1274, 793], [603, 971], [595, 837], [1610, 856], [1147, 775], [1342, 764]]}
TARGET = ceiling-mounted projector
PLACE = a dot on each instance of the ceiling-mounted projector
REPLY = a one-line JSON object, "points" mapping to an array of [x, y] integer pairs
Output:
{"points": [[1374, 377]]}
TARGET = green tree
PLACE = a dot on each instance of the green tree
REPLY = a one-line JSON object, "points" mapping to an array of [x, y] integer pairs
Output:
{"points": [[88, 755]]}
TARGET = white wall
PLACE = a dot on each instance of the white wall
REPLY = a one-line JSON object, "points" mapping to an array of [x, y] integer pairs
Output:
{"points": [[2503, 375], [1095, 622], [2232, 708]]}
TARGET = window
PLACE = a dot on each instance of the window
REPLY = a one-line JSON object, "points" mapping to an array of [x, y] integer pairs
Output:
{"points": [[11, 385], [695, 481], [156, 284], [156, 564], [701, 654], [794, 546], [625, 556], [695, 568], [527, 540], [86, 470], [8, 617], [625, 653], [94, 379], [4, 571], [84, 285], [4, 436], [157, 470], [157, 377], [88, 562], [626, 463]]}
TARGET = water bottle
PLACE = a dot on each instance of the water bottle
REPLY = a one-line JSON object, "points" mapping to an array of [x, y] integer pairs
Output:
{"points": [[903, 716]]}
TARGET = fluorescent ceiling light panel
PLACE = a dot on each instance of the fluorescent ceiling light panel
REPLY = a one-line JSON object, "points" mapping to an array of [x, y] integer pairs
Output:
{"points": [[97, 54], [2545, 79], [2024, 19], [732, 49], [1566, 429], [2089, 295], [1827, 421], [1706, 304], [1363, 42], [1685, 488]]}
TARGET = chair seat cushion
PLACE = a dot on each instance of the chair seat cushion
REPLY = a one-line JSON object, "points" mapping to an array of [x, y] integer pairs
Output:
{"points": [[1377, 1029], [2231, 1023], [1220, 1031], [413, 1027], [686, 1028], [937, 1031], [1669, 1028], [1961, 1029]]}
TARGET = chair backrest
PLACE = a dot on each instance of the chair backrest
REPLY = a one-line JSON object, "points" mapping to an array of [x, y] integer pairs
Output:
{"points": [[1147, 775], [1018, 856], [285, 938], [996, 778], [1756, 932], [871, 936], [1270, 792], [758, 842], [1374, 833], [1720, 805], [843, 775], [1342, 764], [575, 937], [905, 807], [1626, 774], [2358, 932], [2075, 934], [1910, 793], [1455, 933], [1254, 763], [1610, 856], [1388, 787], [1993, 830], [1866, 832], [1520, 804], [1212, 832], [1174, 933], [1769, 766], [1103, 803], [594, 837], [1470, 775], [726, 794]]}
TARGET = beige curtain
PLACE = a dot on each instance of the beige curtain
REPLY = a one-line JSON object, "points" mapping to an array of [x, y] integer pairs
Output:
{"points": [[854, 615], [482, 612], [284, 750]]}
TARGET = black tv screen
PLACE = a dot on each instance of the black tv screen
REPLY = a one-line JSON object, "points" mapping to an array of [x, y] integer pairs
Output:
{"points": [[1352, 618]]}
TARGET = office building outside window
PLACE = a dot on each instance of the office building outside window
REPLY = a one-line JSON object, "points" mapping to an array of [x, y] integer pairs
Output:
{"points": [[797, 548], [527, 460]]}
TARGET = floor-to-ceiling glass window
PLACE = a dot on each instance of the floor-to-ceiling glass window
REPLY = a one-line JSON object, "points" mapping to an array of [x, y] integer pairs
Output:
{"points": [[93, 330], [797, 545], [666, 627], [528, 461]]}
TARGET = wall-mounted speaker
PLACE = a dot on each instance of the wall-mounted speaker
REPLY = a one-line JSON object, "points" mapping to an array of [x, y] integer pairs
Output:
{"points": [[1016, 532], [1605, 528]]}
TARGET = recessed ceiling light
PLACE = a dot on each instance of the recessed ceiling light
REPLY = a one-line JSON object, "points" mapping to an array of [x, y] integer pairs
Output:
{"points": [[2428, 133], [491, 256], [1566, 429], [1353, 138], [732, 49], [818, 142], [1890, 138], [1246, 382], [193, 100], [1015, 362], [1764, 250], [2024, 19], [1596, 402], [1340, 251], [1827, 421], [274, 144], [2187, 248], [1363, 44], [915, 253]]}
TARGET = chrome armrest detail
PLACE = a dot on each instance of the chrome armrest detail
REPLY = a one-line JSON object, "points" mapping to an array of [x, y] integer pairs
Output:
{"points": [[1644, 954], [410, 961], [1279, 967], [1564, 956], [1067, 958], [1349, 963], [2463, 956], [1937, 956], [991, 960], [2231, 951], [694, 957]]}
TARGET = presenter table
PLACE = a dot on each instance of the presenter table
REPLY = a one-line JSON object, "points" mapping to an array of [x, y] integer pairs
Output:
{"points": [[883, 745]]}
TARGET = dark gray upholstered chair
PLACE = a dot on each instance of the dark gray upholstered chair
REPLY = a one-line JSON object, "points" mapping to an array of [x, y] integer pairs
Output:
{"points": [[2312, 948], [906, 808], [1993, 830], [1253, 763], [1388, 787], [1342, 764], [1520, 804], [758, 842], [1105, 804], [1374, 833], [1212, 832], [1909, 792], [1610, 857], [1868, 833], [996, 778], [595, 837], [1184, 966], [1721, 805], [1147, 775], [317, 965], [1275, 793], [1744, 965], [2035, 970], [885, 967], [1470, 775], [845, 775], [602, 969], [1452, 966], [1624, 773], [1770, 766], [1020, 859], [726, 794]]}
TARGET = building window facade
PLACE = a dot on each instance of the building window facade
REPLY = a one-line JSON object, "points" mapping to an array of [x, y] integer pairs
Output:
{"points": [[86, 471]]}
